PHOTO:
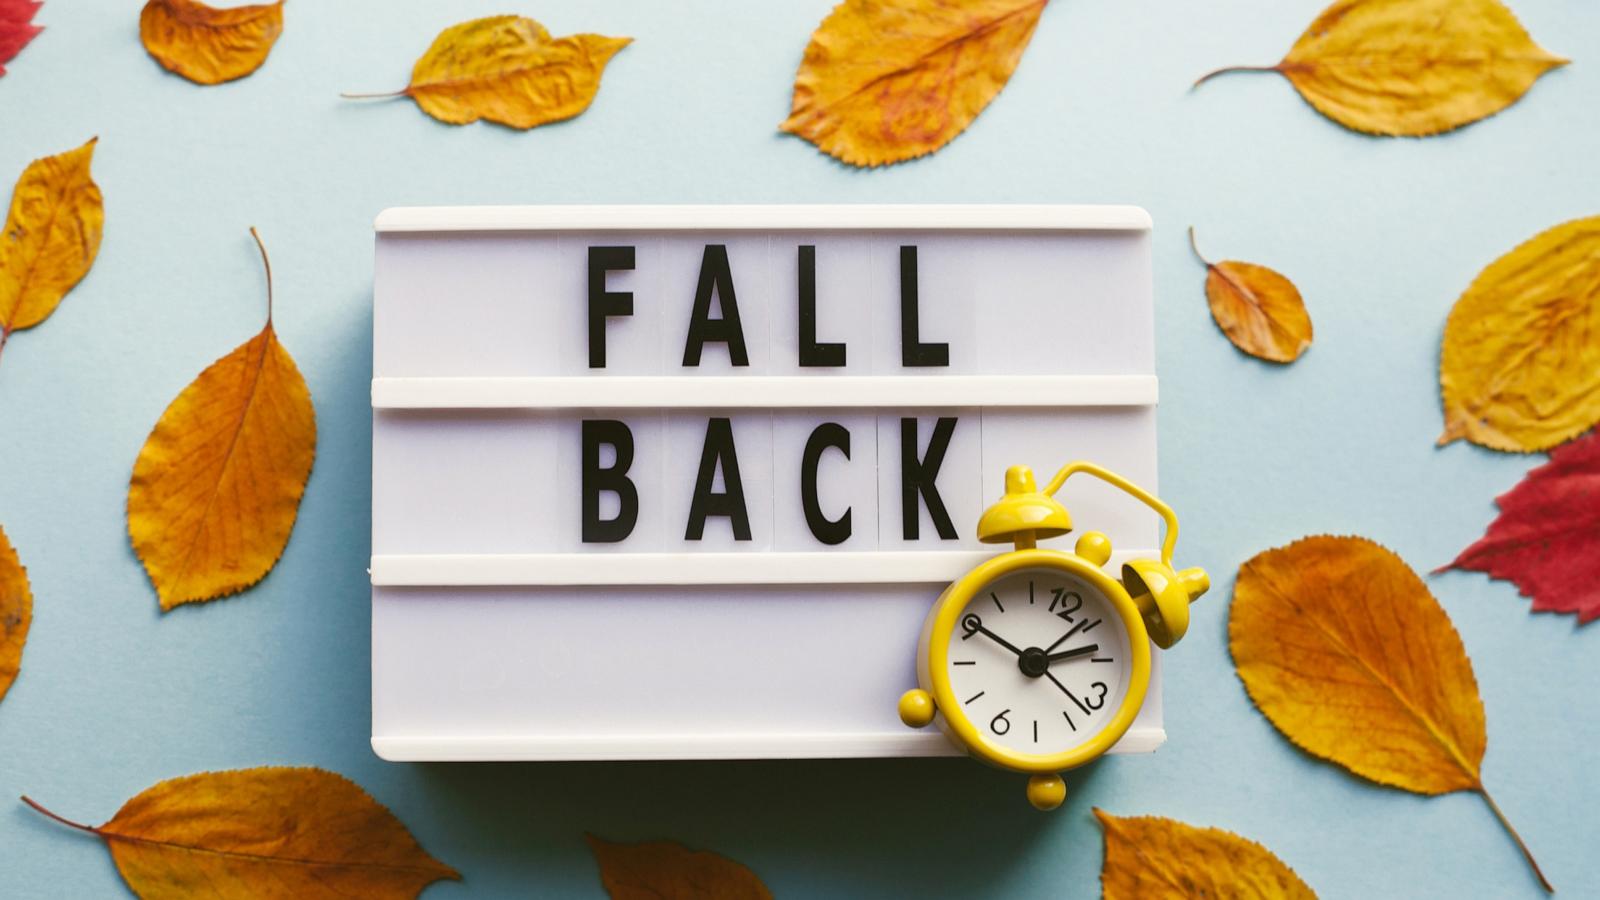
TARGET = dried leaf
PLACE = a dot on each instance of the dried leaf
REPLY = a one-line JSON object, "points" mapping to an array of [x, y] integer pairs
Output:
{"points": [[884, 81], [265, 833], [16, 613], [1258, 309], [16, 28], [1153, 856], [1411, 67], [51, 238], [663, 870], [1547, 536], [1520, 367], [1342, 648], [208, 45], [508, 69], [217, 486]]}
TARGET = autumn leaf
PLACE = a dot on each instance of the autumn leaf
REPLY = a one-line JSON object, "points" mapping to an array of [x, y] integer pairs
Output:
{"points": [[267, 833], [1547, 536], [208, 45], [884, 81], [217, 486], [1153, 856], [663, 870], [1411, 67], [51, 238], [1342, 648], [16, 28], [1259, 310], [16, 613], [1520, 366], [507, 69]]}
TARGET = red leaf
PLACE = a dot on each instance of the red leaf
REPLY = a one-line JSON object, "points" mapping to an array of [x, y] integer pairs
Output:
{"points": [[1547, 536], [16, 28]]}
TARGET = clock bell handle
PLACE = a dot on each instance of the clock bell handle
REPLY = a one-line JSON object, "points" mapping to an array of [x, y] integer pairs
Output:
{"points": [[1168, 543]]}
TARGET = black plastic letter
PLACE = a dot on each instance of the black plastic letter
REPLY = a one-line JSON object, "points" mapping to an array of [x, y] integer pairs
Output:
{"points": [[917, 476], [828, 531], [614, 479], [718, 451], [914, 353], [603, 303], [716, 277], [813, 354]]}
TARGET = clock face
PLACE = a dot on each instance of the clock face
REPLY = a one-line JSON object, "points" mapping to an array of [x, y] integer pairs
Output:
{"points": [[1039, 661]]}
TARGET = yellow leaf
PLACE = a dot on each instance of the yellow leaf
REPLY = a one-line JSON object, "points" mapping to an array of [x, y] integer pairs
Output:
{"points": [[51, 238], [16, 613], [884, 81], [1411, 67], [663, 870], [1152, 856], [508, 69], [208, 45], [217, 486], [1258, 309], [1520, 367], [1342, 647], [273, 833]]}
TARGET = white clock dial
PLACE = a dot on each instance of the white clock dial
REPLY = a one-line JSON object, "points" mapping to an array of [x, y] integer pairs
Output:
{"points": [[1039, 661]]}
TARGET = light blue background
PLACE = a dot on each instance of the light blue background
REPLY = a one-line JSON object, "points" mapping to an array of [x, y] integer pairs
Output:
{"points": [[1381, 236]]}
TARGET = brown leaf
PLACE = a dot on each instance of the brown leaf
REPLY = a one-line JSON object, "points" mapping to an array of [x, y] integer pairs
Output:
{"points": [[208, 45], [884, 81], [1259, 310], [1342, 647], [1520, 365], [508, 69], [16, 613], [1153, 856], [263, 834], [217, 486], [1411, 67], [51, 238], [663, 870]]}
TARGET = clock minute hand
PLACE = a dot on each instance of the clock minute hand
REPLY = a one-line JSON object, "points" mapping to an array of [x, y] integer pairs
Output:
{"points": [[1074, 652], [974, 625]]}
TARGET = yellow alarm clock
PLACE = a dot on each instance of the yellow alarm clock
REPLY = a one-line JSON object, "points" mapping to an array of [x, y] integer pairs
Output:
{"points": [[1037, 661]]}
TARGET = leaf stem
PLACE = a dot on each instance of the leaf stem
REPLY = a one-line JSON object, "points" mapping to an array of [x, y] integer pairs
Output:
{"points": [[1506, 823], [1226, 70], [267, 263], [1196, 248], [62, 819], [5, 335], [384, 96]]}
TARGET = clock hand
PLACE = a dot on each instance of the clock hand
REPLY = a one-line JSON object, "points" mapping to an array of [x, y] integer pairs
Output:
{"points": [[1069, 654], [974, 625], [1070, 695], [1070, 632]]}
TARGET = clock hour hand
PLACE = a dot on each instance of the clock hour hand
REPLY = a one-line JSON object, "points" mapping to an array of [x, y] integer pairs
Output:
{"points": [[971, 624], [1074, 652]]}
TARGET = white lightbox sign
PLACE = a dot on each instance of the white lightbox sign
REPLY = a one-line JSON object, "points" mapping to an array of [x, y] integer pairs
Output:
{"points": [[673, 482]]}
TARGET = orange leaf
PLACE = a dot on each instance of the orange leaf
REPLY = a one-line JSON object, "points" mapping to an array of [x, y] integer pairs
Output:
{"points": [[1411, 67], [217, 486], [16, 613], [508, 69], [1520, 366], [884, 81], [51, 238], [1153, 856], [1342, 647], [208, 45], [663, 870], [1259, 310], [265, 833]]}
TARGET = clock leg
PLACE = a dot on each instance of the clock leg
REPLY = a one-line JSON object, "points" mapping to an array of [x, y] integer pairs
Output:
{"points": [[1046, 791], [916, 708]]}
